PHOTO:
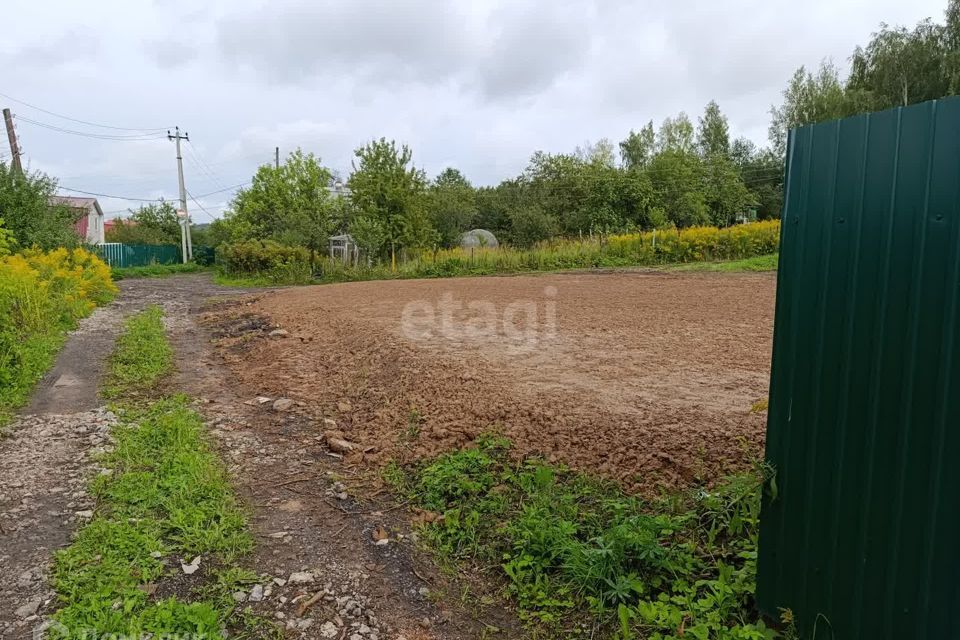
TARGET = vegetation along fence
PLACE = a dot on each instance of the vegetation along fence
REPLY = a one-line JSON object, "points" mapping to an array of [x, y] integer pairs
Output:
{"points": [[859, 528]]}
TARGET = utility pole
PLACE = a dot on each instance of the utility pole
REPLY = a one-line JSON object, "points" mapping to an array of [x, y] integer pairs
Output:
{"points": [[276, 160], [12, 137], [185, 240]]}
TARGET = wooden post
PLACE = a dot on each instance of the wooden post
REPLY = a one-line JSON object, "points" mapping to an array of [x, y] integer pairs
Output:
{"points": [[12, 137]]}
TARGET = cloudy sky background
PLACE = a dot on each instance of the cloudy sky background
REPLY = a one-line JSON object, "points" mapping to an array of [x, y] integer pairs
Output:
{"points": [[477, 85]]}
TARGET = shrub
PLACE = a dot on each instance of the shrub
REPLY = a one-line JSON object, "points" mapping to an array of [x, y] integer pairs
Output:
{"points": [[267, 259], [291, 265], [42, 294]]}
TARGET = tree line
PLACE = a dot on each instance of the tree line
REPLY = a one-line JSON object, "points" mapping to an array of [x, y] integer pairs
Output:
{"points": [[681, 173], [898, 67], [678, 174]]}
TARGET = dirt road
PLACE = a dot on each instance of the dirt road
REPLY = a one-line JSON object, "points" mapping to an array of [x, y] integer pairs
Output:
{"points": [[306, 516]]}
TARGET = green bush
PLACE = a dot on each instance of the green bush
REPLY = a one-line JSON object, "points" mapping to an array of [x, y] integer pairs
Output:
{"points": [[42, 295], [266, 259]]}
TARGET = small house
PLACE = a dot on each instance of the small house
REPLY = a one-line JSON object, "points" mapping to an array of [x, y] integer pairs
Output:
{"points": [[90, 224]]}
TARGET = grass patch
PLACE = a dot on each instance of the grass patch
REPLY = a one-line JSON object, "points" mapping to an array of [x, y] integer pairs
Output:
{"points": [[167, 497], [142, 357], [36, 354], [155, 270], [331, 273], [577, 555], [757, 263], [164, 498]]}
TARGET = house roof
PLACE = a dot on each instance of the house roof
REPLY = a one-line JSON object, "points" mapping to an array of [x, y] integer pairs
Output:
{"points": [[90, 204]]}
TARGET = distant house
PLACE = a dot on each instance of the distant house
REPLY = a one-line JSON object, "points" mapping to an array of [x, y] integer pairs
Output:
{"points": [[90, 223], [111, 224]]}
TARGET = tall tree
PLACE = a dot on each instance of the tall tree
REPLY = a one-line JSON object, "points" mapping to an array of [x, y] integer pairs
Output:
{"points": [[290, 204], [637, 149], [598, 153], [676, 134], [388, 192], [677, 178], [900, 67], [713, 134], [809, 98], [452, 205]]}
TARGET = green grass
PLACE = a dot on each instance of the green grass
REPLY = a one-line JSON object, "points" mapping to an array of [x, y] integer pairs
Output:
{"points": [[338, 274], [574, 552], [142, 357], [35, 356], [757, 263], [155, 270], [165, 497]]}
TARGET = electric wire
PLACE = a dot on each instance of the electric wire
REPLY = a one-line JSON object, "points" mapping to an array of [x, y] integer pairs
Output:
{"points": [[87, 134], [77, 120], [110, 195]]}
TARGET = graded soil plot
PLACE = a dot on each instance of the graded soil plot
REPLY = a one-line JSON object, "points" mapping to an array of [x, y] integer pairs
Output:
{"points": [[646, 378]]}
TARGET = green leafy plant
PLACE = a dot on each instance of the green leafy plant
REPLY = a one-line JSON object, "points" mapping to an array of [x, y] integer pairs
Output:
{"points": [[571, 548]]}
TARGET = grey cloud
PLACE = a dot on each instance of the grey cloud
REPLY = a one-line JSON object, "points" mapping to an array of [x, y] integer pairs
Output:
{"points": [[70, 46], [514, 51], [294, 41], [532, 47], [172, 53]]}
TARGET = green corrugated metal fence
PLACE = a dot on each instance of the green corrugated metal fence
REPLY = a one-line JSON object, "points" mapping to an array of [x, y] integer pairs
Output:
{"points": [[860, 531], [139, 255]]}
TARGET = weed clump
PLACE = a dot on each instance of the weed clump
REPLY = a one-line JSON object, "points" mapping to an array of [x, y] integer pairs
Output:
{"points": [[576, 552]]}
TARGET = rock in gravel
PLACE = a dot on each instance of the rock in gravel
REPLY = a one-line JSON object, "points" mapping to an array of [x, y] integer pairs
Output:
{"points": [[329, 423], [339, 445], [28, 609], [263, 399], [256, 594], [329, 630], [344, 406], [283, 404], [300, 577], [279, 333], [192, 567], [239, 596]]}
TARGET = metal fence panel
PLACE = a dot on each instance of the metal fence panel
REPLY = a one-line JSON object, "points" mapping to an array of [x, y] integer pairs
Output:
{"points": [[139, 255], [860, 529]]}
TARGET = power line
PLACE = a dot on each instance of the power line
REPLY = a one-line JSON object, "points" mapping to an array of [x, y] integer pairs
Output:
{"points": [[86, 134], [109, 195], [92, 124], [236, 186], [202, 164], [202, 208]]}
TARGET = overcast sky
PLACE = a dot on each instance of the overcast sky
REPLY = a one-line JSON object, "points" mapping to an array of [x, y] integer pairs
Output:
{"points": [[477, 85]]}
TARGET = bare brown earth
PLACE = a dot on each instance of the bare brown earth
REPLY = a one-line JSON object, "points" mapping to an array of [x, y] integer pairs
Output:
{"points": [[643, 377]]}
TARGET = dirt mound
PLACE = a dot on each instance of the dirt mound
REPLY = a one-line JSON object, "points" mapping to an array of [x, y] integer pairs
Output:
{"points": [[644, 378]]}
